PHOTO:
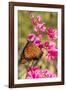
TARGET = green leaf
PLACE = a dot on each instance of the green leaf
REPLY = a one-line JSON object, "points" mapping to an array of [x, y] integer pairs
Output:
{"points": [[22, 74]]}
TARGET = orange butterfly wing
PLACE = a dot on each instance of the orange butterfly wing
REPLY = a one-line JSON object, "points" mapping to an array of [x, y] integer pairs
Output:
{"points": [[32, 51]]}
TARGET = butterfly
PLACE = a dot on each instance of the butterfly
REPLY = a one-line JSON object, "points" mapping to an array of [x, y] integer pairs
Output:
{"points": [[30, 52]]}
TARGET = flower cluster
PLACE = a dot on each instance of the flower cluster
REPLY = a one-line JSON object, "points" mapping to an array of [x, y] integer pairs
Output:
{"points": [[36, 72], [37, 39], [39, 25], [52, 33], [52, 50]]}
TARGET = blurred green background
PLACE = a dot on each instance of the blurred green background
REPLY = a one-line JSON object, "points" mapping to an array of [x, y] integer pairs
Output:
{"points": [[25, 27]]}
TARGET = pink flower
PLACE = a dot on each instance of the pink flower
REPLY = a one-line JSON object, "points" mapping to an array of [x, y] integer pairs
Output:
{"points": [[49, 45], [38, 24], [35, 29], [52, 33], [40, 36], [48, 74], [36, 72], [31, 37], [37, 41], [46, 44], [52, 54], [41, 26], [52, 45], [52, 50], [29, 77], [39, 18], [33, 21]]}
